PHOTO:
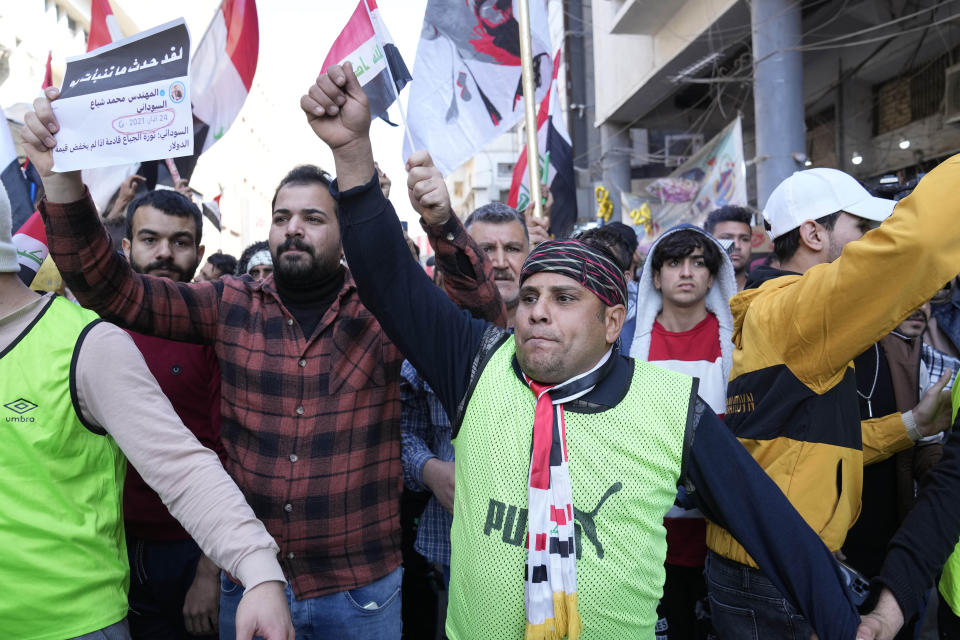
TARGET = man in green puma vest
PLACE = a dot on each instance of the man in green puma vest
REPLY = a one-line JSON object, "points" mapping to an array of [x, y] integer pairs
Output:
{"points": [[568, 453], [75, 397]]}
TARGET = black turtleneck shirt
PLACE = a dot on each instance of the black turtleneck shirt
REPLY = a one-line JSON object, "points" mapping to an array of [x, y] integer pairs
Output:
{"points": [[310, 299]]}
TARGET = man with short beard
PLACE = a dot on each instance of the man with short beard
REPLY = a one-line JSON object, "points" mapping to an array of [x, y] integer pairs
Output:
{"points": [[310, 402], [174, 588]]}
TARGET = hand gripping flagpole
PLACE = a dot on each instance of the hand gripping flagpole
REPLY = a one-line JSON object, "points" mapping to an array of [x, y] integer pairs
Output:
{"points": [[530, 107], [393, 83]]}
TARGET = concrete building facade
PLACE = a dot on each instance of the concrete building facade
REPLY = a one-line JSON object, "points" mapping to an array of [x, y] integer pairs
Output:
{"points": [[878, 80]]}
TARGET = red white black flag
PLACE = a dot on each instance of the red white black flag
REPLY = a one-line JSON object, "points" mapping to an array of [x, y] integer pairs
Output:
{"points": [[556, 165], [367, 44]]}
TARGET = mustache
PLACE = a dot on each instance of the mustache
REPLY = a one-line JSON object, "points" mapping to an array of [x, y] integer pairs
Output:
{"points": [[502, 274], [294, 243], [166, 265]]}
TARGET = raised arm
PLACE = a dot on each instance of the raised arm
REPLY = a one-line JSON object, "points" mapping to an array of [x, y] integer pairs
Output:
{"points": [[733, 491], [113, 384], [467, 272], [95, 273], [845, 306], [439, 339]]}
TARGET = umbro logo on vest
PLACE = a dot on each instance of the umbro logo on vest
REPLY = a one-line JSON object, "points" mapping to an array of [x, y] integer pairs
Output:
{"points": [[511, 521], [20, 406]]}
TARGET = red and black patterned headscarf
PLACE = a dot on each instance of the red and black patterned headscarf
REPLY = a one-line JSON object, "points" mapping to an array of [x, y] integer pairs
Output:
{"points": [[591, 267]]}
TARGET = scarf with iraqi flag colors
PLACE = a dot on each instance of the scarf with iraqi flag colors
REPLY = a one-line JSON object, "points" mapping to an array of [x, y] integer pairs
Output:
{"points": [[550, 595]]}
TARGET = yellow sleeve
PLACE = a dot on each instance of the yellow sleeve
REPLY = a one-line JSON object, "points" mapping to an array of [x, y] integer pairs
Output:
{"points": [[835, 311], [883, 437]]}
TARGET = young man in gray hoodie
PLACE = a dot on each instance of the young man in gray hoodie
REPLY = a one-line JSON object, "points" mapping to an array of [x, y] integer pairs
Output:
{"points": [[684, 324]]}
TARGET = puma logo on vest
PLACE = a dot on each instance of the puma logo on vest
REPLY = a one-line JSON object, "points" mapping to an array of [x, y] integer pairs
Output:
{"points": [[586, 521], [511, 522]]}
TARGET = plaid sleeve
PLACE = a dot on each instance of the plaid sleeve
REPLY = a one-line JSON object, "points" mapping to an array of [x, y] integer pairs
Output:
{"points": [[414, 427], [103, 281], [467, 272]]}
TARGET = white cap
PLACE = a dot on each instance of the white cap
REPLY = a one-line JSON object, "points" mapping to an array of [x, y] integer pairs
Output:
{"points": [[8, 252], [815, 193]]}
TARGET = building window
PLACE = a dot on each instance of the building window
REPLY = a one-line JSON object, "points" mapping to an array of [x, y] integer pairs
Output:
{"points": [[911, 96], [504, 169], [504, 195]]}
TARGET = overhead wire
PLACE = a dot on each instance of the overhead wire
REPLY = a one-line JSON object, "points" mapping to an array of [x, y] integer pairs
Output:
{"points": [[819, 47], [885, 24]]}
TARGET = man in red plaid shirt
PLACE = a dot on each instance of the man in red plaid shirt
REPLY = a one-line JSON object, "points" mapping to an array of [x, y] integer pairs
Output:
{"points": [[310, 382]]}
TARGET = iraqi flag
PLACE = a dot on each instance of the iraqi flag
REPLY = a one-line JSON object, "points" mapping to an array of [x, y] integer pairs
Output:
{"points": [[221, 74], [367, 44], [14, 181], [31, 243], [222, 69], [556, 165]]}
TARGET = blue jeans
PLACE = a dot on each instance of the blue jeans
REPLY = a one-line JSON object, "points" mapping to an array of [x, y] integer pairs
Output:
{"points": [[744, 605], [370, 612], [116, 631]]}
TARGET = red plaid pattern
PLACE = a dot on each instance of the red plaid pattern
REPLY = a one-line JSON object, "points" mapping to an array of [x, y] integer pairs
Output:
{"points": [[311, 427]]}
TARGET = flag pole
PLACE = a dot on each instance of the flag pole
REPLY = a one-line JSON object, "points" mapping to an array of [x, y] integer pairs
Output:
{"points": [[393, 83], [529, 108]]}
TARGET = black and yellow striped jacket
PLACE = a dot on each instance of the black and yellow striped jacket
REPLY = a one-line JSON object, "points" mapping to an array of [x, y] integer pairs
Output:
{"points": [[792, 398]]}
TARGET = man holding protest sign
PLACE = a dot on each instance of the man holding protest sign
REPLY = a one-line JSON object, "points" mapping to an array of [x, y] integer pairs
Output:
{"points": [[310, 384]]}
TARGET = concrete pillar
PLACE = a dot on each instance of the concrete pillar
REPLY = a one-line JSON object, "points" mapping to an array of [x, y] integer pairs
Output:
{"points": [[615, 162], [777, 91]]}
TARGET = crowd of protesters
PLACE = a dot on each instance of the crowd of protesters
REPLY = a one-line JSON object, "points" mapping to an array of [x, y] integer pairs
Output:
{"points": [[588, 438]]}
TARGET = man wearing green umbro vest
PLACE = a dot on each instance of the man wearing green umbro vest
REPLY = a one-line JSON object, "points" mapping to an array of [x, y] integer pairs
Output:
{"points": [[568, 453], [77, 401]]}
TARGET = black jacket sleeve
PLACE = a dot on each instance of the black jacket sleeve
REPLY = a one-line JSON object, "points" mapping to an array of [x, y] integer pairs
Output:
{"points": [[928, 535], [733, 491], [438, 338]]}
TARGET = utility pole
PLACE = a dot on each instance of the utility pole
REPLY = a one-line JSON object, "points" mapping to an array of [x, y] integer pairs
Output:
{"points": [[615, 162], [777, 91], [574, 29]]}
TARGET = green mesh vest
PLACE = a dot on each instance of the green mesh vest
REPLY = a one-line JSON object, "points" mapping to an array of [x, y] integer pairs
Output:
{"points": [[64, 566], [624, 466]]}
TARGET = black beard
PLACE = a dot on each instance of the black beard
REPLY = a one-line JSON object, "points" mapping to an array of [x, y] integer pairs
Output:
{"points": [[298, 272]]}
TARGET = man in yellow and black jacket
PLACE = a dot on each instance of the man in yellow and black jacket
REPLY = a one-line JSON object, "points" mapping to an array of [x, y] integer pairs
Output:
{"points": [[792, 396]]}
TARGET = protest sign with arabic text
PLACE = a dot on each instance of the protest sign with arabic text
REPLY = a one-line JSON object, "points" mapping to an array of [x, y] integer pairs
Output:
{"points": [[128, 101]]}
